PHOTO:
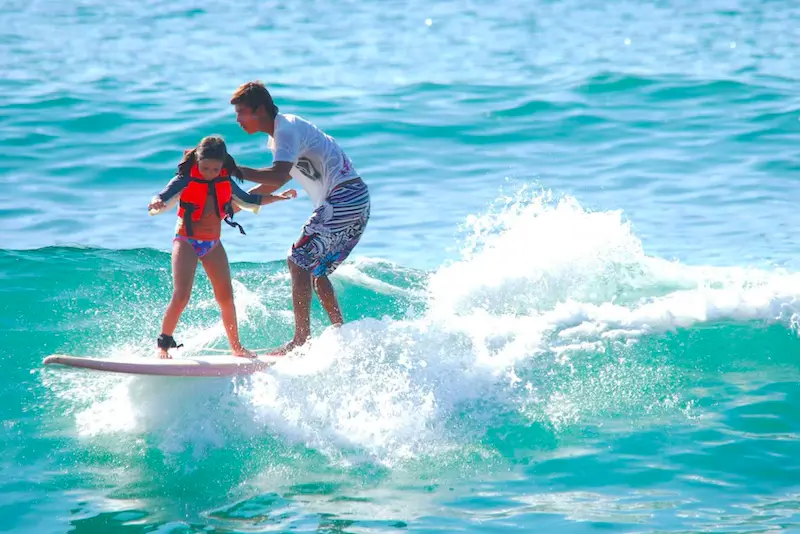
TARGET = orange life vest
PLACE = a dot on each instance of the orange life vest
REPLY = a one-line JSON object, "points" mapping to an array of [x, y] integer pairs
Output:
{"points": [[193, 198]]}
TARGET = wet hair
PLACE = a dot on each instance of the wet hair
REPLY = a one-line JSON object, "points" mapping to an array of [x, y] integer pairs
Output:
{"points": [[254, 95], [211, 147]]}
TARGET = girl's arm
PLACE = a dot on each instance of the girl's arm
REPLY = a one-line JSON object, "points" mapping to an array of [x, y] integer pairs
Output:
{"points": [[168, 196]]}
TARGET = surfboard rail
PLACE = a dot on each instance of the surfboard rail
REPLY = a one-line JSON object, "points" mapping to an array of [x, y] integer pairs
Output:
{"points": [[189, 366]]}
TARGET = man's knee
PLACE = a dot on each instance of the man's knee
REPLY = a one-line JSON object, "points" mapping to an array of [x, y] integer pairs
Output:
{"points": [[296, 271], [321, 283]]}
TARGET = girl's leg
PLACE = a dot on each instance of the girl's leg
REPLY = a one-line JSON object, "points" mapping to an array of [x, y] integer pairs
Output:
{"points": [[184, 266], [219, 273]]}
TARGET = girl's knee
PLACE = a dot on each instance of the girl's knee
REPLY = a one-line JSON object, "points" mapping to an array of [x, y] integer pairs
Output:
{"points": [[180, 299], [224, 295]]}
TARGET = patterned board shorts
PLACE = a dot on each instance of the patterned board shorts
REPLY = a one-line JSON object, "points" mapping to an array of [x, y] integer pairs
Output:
{"points": [[333, 230]]}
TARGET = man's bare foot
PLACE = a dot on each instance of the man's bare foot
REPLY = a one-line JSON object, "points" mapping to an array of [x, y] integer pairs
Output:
{"points": [[285, 349], [244, 353], [163, 354]]}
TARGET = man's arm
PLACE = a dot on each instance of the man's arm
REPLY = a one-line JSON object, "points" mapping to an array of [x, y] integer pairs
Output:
{"points": [[273, 177]]}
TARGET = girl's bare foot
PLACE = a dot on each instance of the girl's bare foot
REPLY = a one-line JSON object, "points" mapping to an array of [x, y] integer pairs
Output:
{"points": [[163, 354]]}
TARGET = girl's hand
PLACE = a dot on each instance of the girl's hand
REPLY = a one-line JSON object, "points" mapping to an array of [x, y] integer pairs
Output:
{"points": [[289, 193], [156, 204]]}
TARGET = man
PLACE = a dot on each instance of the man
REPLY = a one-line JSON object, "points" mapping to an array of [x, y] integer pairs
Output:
{"points": [[340, 197]]}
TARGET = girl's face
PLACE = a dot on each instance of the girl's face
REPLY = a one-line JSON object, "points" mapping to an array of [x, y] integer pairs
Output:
{"points": [[210, 168]]}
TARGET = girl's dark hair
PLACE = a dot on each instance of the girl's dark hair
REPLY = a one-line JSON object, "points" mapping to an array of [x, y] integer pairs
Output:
{"points": [[211, 147]]}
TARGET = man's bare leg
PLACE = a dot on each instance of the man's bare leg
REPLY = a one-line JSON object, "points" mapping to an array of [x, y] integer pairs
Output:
{"points": [[301, 302], [327, 297]]}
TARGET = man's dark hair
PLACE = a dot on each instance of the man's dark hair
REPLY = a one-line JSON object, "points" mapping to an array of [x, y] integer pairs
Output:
{"points": [[253, 95]]}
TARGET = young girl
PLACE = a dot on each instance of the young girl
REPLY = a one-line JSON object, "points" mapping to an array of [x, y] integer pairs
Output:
{"points": [[206, 193]]}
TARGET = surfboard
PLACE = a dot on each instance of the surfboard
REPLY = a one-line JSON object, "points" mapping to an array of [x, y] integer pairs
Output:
{"points": [[202, 365]]}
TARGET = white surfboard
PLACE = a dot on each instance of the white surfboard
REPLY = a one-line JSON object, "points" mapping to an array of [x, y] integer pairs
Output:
{"points": [[199, 365]]}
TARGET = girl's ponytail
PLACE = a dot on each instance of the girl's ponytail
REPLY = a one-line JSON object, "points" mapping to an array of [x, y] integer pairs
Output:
{"points": [[188, 161], [233, 169]]}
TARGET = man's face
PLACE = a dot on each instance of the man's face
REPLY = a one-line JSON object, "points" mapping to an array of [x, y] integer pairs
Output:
{"points": [[247, 118]]}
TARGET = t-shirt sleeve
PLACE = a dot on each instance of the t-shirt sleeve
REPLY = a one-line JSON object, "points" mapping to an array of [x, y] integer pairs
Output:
{"points": [[287, 143]]}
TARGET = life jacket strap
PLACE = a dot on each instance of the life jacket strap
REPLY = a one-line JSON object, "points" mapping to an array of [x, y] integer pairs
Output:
{"points": [[229, 217], [188, 209], [234, 224]]}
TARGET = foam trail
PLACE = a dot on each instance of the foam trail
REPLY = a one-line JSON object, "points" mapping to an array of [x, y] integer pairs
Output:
{"points": [[538, 321]]}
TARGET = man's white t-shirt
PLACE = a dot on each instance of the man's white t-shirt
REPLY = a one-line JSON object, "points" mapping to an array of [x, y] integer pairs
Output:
{"points": [[319, 162]]}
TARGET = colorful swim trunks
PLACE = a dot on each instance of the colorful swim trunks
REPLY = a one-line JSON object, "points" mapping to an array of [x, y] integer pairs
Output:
{"points": [[333, 230], [201, 246]]}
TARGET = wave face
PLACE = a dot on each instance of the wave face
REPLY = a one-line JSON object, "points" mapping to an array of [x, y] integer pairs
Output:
{"points": [[554, 367]]}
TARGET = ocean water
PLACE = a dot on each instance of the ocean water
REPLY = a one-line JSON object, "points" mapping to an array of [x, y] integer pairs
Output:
{"points": [[575, 308]]}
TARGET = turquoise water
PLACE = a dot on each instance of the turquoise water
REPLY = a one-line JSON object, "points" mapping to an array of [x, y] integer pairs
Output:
{"points": [[575, 308]]}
